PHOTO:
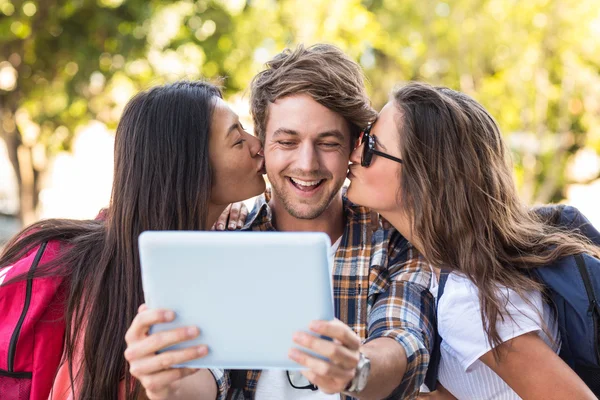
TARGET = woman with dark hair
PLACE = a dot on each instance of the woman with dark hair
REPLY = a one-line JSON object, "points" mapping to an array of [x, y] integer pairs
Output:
{"points": [[435, 166], [181, 156]]}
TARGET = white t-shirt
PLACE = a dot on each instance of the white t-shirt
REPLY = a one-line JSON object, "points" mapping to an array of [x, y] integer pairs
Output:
{"points": [[465, 341], [274, 384]]}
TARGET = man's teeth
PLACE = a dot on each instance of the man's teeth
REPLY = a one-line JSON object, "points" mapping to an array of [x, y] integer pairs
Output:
{"points": [[305, 183]]}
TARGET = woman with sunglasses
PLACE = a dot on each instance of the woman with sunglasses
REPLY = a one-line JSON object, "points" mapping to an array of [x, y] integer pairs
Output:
{"points": [[435, 166]]}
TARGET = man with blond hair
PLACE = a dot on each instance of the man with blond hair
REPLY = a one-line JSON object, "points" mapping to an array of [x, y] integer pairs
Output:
{"points": [[309, 107]]}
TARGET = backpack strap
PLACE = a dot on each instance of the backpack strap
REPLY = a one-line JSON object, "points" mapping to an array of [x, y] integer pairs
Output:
{"points": [[28, 293], [587, 283], [442, 285], [431, 376], [570, 218]]}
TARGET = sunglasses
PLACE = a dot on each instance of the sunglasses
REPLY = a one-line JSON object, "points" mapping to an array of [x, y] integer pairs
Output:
{"points": [[368, 141], [299, 381]]}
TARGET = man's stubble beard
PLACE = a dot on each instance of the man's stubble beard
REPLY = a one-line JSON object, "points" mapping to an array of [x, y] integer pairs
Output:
{"points": [[284, 197]]}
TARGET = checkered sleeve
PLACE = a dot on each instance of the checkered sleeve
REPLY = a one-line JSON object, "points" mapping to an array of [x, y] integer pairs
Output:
{"points": [[223, 382], [404, 310]]}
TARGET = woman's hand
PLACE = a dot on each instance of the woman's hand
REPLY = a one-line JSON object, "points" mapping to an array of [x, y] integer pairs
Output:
{"points": [[232, 218], [155, 371]]}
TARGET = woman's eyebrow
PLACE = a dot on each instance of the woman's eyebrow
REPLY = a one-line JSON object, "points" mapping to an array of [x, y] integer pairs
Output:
{"points": [[232, 128]]}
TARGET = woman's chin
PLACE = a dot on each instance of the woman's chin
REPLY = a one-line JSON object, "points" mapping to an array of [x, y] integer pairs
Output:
{"points": [[352, 193], [258, 187], [262, 186], [249, 192]]}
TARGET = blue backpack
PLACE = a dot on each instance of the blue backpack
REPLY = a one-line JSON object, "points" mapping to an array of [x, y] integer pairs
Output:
{"points": [[573, 285]]}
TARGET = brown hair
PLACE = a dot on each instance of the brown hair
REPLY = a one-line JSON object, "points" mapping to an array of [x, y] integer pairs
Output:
{"points": [[457, 186], [162, 181], [323, 72]]}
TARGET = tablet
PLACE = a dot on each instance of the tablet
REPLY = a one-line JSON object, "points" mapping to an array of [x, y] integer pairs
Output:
{"points": [[247, 292]]}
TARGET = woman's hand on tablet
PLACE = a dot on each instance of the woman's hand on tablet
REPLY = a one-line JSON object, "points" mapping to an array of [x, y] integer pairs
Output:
{"points": [[335, 374], [155, 371]]}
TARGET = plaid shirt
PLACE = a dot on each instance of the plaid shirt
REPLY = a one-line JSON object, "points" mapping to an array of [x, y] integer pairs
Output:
{"points": [[381, 289]]}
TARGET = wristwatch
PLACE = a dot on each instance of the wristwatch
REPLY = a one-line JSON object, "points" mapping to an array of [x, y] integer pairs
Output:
{"points": [[359, 382]]}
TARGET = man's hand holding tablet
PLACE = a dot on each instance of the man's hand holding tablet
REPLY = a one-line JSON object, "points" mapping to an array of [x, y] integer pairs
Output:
{"points": [[332, 373], [156, 371], [193, 278], [335, 373]]}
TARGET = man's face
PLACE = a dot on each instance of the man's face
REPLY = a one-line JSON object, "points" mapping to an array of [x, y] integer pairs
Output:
{"points": [[307, 148]]}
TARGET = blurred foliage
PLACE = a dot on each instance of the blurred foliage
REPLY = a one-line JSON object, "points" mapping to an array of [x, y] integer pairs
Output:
{"points": [[535, 65]]}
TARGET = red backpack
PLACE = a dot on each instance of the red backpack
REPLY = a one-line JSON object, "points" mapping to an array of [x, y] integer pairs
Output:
{"points": [[32, 328]]}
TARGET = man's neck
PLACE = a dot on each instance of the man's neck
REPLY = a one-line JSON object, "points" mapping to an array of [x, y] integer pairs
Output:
{"points": [[331, 221]]}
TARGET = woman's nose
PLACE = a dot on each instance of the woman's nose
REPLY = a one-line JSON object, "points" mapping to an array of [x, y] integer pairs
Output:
{"points": [[355, 156], [256, 148]]}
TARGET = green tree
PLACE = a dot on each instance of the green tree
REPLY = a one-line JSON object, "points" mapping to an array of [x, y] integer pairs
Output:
{"points": [[50, 50], [66, 62], [535, 65]]}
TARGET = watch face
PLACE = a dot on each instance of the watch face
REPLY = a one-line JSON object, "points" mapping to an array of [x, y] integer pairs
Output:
{"points": [[363, 375]]}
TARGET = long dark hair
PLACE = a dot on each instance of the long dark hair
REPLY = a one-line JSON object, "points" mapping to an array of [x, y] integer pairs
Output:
{"points": [[457, 186], [162, 181]]}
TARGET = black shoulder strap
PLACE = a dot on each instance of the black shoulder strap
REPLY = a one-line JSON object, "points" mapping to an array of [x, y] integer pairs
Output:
{"points": [[12, 347], [587, 281], [442, 285], [37, 259], [238, 378], [431, 376]]}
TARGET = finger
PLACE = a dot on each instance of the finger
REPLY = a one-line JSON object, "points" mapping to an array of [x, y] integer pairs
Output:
{"points": [[243, 216], [325, 384], [234, 214], [336, 329], [222, 220], [166, 360], [143, 307], [321, 367], [144, 320], [158, 341], [176, 385], [335, 352], [156, 383]]}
